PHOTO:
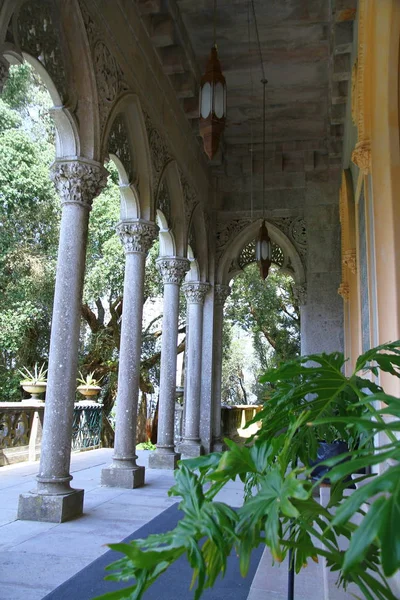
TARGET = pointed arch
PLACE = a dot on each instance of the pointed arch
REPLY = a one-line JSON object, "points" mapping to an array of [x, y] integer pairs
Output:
{"points": [[176, 221], [249, 233], [133, 162]]}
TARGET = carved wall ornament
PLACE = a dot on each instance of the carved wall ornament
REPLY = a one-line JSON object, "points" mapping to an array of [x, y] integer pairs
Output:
{"points": [[344, 291], [137, 236], [159, 152], [300, 293], [361, 156], [164, 201], [195, 292], [350, 260], [78, 182], [118, 144], [109, 76], [39, 35], [221, 293], [189, 195], [4, 70], [173, 270]]}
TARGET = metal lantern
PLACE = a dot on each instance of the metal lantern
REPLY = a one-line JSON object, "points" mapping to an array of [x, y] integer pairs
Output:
{"points": [[212, 104], [263, 250]]}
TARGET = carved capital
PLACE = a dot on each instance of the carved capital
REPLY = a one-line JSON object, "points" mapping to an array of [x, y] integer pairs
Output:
{"points": [[78, 181], [350, 260], [221, 293], [362, 156], [137, 236], [195, 292], [300, 293], [173, 270], [4, 69], [344, 290]]}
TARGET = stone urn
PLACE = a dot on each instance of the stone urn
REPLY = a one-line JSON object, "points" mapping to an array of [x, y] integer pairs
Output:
{"points": [[90, 392], [34, 389]]}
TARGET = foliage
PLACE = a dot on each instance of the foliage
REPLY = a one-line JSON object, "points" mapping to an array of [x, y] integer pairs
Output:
{"points": [[37, 375], [266, 311], [146, 446], [279, 509], [89, 380], [29, 221]]}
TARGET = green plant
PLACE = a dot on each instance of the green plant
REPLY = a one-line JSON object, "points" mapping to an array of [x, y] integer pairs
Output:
{"points": [[37, 375], [311, 394], [146, 446], [89, 380]]}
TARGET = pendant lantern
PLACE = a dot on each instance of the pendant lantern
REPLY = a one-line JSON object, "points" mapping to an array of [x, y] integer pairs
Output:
{"points": [[212, 104], [264, 251]]}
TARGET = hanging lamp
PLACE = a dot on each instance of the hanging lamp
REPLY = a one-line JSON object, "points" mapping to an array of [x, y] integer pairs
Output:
{"points": [[263, 243], [212, 101]]}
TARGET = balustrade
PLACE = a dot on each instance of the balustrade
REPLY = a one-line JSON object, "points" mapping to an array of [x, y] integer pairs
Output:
{"points": [[21, 430]]}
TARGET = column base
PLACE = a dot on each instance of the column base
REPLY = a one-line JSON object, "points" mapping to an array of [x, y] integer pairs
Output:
{"points": [[123, 478], [189, 450], [164, 460], [218, 446], [55, 508]]}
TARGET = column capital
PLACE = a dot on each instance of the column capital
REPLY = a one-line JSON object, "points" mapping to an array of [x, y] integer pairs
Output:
{"points": [[137, 236], [78, 181], [221, 293], [173, 269], [4, 70], [300, 293], [195, 291]]}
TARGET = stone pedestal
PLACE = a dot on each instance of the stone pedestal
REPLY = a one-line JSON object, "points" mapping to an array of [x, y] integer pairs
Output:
{"points": [[137, 238], [195, 293], [173, 271], [78, 182], [221, 294]]}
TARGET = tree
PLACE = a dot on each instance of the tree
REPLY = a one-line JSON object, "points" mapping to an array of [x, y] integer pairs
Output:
{"points": [[268, 312], [29, 222]]}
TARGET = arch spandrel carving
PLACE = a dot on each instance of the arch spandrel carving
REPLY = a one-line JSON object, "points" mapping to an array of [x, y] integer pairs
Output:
{"points": [[119, 145], [234, 235]]}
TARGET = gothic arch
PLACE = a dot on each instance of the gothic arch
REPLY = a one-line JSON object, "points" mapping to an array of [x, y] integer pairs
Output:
{"points": [[125, 141], [247, 234], [170, 181], [198, 244]]}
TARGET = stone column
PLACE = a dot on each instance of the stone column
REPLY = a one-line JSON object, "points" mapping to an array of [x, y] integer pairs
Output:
{"points": [[137, 238], [173, 271], [4, 69], [195, 293], [78, 182], [221, 294]]}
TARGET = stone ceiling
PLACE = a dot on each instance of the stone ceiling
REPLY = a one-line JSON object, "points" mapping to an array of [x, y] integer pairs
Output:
{"points": [[306, 46]]}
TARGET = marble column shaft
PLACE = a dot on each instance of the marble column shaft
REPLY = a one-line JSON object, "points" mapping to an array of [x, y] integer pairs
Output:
{"points": [[221, 294], [137, 237], [195, 293], [173, 271], [78, 182]]}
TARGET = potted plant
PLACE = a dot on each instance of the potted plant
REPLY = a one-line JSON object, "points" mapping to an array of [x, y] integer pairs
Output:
{"points": [[89, 387], [34, 382], [312, 399]]}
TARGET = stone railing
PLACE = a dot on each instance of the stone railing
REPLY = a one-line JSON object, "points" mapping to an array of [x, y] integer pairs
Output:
{"points": [[21, 429], [234, 419]]}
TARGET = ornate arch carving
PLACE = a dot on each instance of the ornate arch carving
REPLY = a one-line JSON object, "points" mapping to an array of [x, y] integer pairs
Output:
{"points": [[109, 76], [119, 144]]}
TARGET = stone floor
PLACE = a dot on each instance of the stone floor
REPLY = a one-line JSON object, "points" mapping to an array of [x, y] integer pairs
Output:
{"points": [[37, 557]]}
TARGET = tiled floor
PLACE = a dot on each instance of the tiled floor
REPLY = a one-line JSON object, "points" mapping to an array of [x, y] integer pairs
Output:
{"points": [[37, 557]]}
